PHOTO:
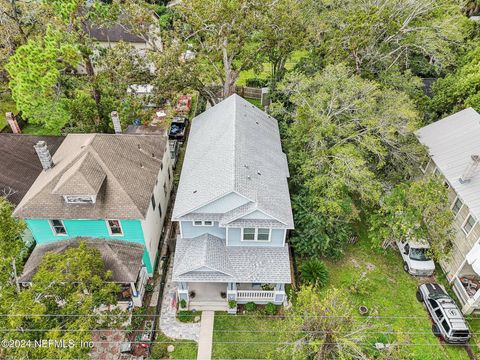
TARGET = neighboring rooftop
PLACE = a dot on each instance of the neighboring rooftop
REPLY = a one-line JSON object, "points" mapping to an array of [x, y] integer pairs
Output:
{"points": [[19, 163], [123, 258], [113, 33], [119, 170], [206, 258], [235, 147], [451, 142]]}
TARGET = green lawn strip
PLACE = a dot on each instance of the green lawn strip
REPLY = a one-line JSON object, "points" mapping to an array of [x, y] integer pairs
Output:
{"points": [[188, 316], [267, 69], [6, 105], [184, 349], [256, 102], [390, 292], [251, 336], [34, 129]]}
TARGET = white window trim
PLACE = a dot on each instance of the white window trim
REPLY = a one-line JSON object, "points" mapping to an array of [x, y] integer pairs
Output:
{"points": [[465, 222], [94, 199], [53, 228], [453, 204], [110, 230], [203, 223], [424, 170], [256, 235]]}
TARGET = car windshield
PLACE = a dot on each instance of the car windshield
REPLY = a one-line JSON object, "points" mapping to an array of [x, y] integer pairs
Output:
{"points": [[418, 254]]}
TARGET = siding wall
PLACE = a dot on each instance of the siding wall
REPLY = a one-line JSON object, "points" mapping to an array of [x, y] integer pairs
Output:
{"points": [[190, 231], [132, 231], [234, 238], [462, 243], [153, 224]]}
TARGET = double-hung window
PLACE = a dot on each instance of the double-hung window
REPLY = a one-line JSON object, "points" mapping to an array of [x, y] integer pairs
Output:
{"points": [[457, 205], [115, 228], [469, 224], [58, 227], [256, 234]]}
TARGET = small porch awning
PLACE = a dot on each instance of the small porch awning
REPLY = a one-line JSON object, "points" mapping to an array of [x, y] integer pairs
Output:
{"points": [[206, 258], [123, 258], [473, 258]]}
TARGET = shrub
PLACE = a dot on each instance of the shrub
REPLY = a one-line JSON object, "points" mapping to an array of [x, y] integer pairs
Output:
{"points": [[183, 303], [232, 304], [256, 82], [250, 306], [314, 272], [186, 316], [149, 287], [139, 315], [270, 309]]}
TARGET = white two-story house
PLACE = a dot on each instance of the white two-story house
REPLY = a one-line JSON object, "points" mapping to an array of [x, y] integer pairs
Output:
{"points": [[233, 209], [454, 147]]}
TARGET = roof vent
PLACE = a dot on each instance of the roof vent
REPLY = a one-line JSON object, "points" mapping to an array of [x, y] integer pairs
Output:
{"points": [[471, 169], [259, 173], [248, 177], [245, 166], [194, 191], [256, 122]]}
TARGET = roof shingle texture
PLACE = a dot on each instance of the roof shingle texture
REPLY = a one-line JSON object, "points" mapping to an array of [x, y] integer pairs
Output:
{"points": [[207, 259], [234, 146], [131, 164], [123, 258], [19, 164], [451, 142]]}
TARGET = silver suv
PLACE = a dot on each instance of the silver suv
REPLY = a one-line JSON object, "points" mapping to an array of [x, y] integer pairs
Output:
{"points": [[448, 321]]}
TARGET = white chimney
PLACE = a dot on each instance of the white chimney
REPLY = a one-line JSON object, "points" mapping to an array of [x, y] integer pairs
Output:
{"points": [[44, 155], [13, 123], [471, 169], [116, 122]]}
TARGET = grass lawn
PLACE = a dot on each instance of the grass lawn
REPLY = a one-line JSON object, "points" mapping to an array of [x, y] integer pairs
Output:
{"points": [[34, 129], [389, 291], [248, 337], [184, 349], [267, 69], [188, 316], [6, 105]]}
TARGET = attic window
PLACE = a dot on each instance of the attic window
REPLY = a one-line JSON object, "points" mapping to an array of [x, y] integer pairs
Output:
{"points": [[114, 227], [79, 199]]}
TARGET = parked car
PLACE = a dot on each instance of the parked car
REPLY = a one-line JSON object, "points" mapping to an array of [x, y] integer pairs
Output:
{"points": [[178, 128], [184, 104], [415, 258], [448, 321]]}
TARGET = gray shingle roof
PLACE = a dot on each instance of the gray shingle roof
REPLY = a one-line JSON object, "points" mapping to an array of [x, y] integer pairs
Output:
{"points": [[451, 142], [123, 258], [131, 164], [216, 262], [234, 146]]}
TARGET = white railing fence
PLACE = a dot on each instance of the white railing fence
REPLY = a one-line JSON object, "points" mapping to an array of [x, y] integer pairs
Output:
{"points": [[460, 291], [255, 295]]}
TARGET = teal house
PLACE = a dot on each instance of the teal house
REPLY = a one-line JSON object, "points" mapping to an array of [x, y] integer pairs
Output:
{"points": [[110, 191]]}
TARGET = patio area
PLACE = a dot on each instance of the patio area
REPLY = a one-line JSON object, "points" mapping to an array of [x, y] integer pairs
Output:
{"points": [[207, 292]]}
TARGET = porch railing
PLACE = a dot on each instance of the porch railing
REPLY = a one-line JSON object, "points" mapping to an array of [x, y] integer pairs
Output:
{"points": [[255, 295], [460, 291]]}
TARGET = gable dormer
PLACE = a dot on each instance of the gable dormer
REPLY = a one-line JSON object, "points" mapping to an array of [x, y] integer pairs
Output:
{"points": [[82, 182]]}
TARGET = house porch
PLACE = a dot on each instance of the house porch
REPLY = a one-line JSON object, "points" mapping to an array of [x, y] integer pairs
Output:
{"points": [[216, 295], [466, 285]]}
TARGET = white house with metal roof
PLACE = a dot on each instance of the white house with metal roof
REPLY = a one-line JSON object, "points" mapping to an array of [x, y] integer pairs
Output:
{"points": [[454, 147], [233, 209]]}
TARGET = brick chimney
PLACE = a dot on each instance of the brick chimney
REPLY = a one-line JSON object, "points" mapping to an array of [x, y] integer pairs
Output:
{"points": [[471, 169], [13, 123], [116, 122], [44, 155]]}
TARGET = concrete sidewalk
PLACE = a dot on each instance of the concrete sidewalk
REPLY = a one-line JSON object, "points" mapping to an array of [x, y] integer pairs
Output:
{"points": [[206, 336]]}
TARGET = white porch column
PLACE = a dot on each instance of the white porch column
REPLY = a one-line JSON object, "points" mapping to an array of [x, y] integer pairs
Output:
{"points": [[279, 295], [183, 293], [232, 291], [137, 299]]}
